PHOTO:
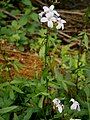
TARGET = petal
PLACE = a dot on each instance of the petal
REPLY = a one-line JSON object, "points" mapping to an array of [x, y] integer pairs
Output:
{"points": [[72, 100], [49, 15], [56, 101], [74, 106], [56, 13], [78, 108], [63, 21], [58, 26], [62, 25], [41, 14], [59, 19], [51, 7], [46, 9], [59, 108], [44, 19], [50, 24], [53, 19]]}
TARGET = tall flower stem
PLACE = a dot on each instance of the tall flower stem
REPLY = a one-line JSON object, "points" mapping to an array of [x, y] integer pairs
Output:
{"points": [[45, 67]]}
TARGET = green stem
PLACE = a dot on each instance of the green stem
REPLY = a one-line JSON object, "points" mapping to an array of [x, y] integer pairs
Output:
{"points": [[46, 51], [78, 65]]}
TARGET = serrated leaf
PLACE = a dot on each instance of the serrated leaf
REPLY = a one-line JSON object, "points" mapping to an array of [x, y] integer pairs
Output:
{"points": [[7, 109], [23, 20]]}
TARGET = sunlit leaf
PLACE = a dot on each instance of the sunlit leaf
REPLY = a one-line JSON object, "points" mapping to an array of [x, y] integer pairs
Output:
{"points": [[17, 89], [7, 109], [40, 104]]}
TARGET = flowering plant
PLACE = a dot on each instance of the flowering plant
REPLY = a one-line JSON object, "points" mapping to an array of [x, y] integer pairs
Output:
{"points": [[51, 16]]}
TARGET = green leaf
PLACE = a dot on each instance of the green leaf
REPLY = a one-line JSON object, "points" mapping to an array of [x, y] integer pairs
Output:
{"points": [[34, 17], [1, 118], [5, 30], [85, 40], [28, 115], [68, 82], [17, 65], [65, 86], [58, 76], [16, 81], [12, 94], [27, 2], [15, 117], [21, 48], [43, 32], [4, 84], [17, 89], [53, 85], [42, 51], [15, 24], [23, 20], [2, 15], [7, 109], [87, 90], [40, 104], [42, 93]]}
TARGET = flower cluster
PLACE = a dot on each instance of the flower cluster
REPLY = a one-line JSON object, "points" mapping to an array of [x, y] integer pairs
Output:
{"points": [[50, 16], [57, 103]]}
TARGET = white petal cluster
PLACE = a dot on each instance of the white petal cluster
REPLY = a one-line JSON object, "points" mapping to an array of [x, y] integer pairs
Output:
{"points": [[57, 103], [51, 16], [75, 105]]}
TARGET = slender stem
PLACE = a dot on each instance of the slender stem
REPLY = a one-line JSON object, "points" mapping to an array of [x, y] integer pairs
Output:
{"points": [[46, 51], [78, 65], [46, 47]]}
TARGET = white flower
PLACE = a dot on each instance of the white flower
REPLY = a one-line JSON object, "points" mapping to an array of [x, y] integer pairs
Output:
{"points": [[41, 14], [60, 23], [56, 101], [50, 9], [49, 19], [58, 105], [51, 16], [75, 105]]}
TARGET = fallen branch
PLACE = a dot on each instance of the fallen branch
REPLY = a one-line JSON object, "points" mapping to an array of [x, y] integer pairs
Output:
{"points": [[64, 34], [71, 12], [9, 14]]}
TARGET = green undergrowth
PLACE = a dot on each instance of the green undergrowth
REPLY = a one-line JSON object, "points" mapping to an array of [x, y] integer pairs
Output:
{"points": [[65, 74]]}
